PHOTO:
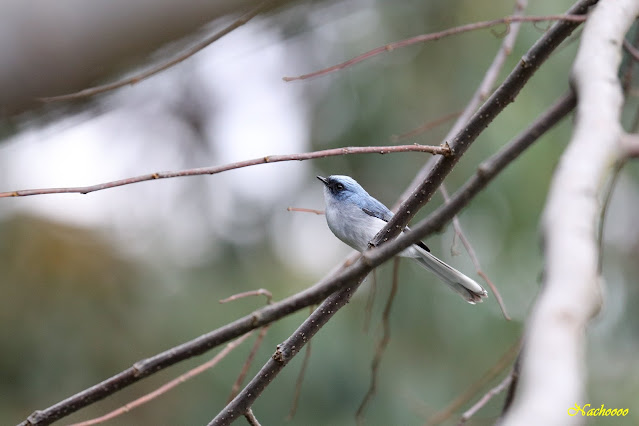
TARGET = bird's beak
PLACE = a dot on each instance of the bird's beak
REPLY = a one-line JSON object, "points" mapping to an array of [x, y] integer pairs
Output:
{"points": [[323, 179]]}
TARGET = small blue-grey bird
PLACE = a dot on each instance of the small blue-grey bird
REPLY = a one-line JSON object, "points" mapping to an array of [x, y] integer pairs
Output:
{"points": [[355, 218]]}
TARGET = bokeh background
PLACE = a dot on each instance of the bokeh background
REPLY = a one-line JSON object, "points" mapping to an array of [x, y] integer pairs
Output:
{"points": [[92, 283]]}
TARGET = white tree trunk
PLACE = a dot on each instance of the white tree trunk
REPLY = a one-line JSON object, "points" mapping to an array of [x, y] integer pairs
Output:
{"points": [[552, 377]]}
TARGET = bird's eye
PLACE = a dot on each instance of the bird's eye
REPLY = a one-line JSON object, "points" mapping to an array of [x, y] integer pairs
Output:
{"points": [[339, 187]]}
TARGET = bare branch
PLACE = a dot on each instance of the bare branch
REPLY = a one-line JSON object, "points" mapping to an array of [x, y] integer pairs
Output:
{"points": [[303, 210], [168, 386], [552, 374], [299, 381], [634, 52], [435, 150], [630, 145], [502, 363], [426, 127], [250, 417], [259, 292], [163, 66], [573, 18], [486, 398], [247, 364], [504, 95], [381, 345], [370, 300], [285, 352]]}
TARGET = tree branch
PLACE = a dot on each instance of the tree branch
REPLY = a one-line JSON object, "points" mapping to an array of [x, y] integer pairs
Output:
{"points": [[163, 66], [502, 363], [284, 353], [381, 346], [435, 150], [167, 386], [552, 374], [503, 385], [572, 16], [299, 382], [251, 419]]}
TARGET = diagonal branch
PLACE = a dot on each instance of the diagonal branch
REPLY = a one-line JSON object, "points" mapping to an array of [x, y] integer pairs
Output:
{"points": [[571, 16], [504, 95], [284, 353], [435, 150], [486, 398], [480, 95], [163, 66], [167, 386], [381, 346], [500, 365]]}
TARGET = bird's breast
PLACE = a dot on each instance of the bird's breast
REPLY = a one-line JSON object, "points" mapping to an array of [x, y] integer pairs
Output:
{"points": [[350, 224]]}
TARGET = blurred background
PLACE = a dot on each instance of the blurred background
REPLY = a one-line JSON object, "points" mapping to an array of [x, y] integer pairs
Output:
{"points": [[92, 283]]}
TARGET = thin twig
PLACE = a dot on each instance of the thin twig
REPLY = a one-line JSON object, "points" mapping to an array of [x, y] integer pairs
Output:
{"points": [[258, 341], [247, 364], [486, 398], [261, 291], [163, 66], [473, 256], [304, 210], [502, 363], [370, 300], [250, 417], [426, 126], [491, 75], [634, 52], [436, 36], [435, 150], [626, 79], [610, 186], [167, 386], [286, 351], [381, 345], [300, 381]]}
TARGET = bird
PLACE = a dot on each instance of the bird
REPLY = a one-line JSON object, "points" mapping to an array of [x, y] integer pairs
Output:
{"points": [[355, 217]]}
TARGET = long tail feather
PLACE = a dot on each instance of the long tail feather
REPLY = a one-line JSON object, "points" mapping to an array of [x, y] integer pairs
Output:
{"points": [[458, 282]]}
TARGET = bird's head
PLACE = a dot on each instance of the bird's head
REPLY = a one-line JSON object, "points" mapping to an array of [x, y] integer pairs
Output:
{"points": [[341, 187]]}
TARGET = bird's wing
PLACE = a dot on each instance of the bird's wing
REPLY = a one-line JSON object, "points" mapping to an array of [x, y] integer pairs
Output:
{"points": [[380, 211]]}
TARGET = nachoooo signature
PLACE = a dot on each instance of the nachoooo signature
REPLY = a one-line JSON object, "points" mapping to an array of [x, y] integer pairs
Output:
{"points": [[601, 411]]}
